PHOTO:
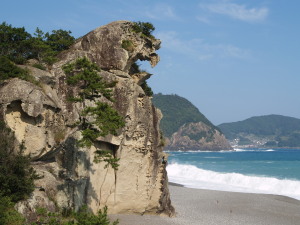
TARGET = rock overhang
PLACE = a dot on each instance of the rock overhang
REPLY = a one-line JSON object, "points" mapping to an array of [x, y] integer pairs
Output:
{"points": [[104, 47]]}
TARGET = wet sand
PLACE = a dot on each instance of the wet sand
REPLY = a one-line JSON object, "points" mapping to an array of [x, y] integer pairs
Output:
{"points": [[207, 207]]}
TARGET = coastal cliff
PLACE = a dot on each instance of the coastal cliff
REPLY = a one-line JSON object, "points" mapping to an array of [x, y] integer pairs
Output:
{"points": [[44, 121], [198, 136], [186, 128]]}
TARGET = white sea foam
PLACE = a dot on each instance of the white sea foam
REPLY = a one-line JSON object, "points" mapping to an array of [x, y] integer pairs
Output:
{"points": [[212, 157], [223, 151], [193, 177], [197, 151], [253, 150], [186, 151]]}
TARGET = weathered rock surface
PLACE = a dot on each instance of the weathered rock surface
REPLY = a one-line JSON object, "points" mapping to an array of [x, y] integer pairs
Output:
{"points": [[198, 136], [43, 119], [185, 127]]}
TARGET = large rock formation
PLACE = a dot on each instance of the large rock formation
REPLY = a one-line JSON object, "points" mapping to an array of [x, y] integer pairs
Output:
{"points": [[186, 128], [43, 119], [198, 136]]}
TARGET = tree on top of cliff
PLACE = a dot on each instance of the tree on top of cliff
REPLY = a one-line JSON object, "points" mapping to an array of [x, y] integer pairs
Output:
{"points": [[14, 43], [46, 46], [19, 45], [145, 28], [59, 40]]}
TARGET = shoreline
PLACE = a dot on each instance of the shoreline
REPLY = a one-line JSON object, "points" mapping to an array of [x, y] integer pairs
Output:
{"points": [[209, 207], [176, 184]]}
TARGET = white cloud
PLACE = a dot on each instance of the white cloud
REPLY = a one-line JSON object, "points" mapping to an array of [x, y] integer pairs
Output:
{"points": [[203, 19], [161, 11], [170, 41], [230, 51], [200, 50], [236, 11]]}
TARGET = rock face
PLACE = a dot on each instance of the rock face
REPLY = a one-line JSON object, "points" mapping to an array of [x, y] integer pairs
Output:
{"points": [[198, 136], [185, 127], [43, 119]]}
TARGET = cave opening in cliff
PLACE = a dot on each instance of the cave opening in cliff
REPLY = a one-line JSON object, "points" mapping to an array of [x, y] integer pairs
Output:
{"points": [[140, 66]]}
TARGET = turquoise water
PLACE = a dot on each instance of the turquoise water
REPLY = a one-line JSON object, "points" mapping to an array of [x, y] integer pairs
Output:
{"points": [[281, 163], [272, 171]]}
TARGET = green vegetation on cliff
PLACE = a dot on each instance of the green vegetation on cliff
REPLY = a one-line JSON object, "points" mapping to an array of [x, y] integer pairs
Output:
{"points": [[16, 177], [68, 217], [106, 119], [9, 69], [17, 183], [145, 28], [282, 131], [135, 68], [18, 45], [177, 111]]}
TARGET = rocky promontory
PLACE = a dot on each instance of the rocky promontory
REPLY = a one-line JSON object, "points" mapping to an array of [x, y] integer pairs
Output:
{"points": [[186, 128], [44, 121], [198, 136]]}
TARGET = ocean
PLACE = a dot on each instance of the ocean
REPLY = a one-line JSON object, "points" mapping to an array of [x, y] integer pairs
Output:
{"points": [[268, 171]]}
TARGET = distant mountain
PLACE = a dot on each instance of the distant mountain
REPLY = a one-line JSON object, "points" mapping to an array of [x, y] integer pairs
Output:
{"points": [[185, 127], [176, 112], [264, 131]]}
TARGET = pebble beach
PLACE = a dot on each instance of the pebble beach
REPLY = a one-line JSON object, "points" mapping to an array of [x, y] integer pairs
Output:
{"points": [[208, 207]]}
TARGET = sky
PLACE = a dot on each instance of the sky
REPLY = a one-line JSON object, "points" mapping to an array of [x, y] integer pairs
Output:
{"points": [[233, 59]]}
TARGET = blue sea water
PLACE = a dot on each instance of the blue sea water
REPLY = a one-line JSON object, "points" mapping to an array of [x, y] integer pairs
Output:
{"points": [[270, 171]]}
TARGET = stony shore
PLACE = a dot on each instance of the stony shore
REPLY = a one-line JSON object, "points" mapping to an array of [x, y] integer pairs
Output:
{"points": [[207, 207]]}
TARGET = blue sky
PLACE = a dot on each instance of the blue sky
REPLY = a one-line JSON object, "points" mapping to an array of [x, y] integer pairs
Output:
{"points": [[233, 59]]}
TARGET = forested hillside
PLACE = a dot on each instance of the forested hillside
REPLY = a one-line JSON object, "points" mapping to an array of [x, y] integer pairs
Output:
{"points": [[176, 112], [276, 130]]}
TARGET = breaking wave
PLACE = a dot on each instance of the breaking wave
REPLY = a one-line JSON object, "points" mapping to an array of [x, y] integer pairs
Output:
{"points": [[193, 177], [253, 150]]}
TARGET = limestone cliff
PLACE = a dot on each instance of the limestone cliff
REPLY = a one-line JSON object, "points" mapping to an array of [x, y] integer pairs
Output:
{"points": [[43, 119], [198, 136]]}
